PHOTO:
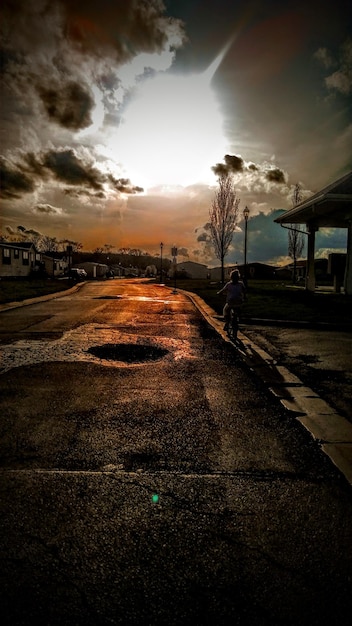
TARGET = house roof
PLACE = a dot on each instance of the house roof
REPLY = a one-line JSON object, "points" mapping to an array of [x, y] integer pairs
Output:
{"points": [[330, 207], [23, 245], [191, 263]]}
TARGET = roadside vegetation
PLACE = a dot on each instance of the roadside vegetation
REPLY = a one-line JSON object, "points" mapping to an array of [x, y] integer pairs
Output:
{"points": [[267, 299], [280, 301], [24, 289]]}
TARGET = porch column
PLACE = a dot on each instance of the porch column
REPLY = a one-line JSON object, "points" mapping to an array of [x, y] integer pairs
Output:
{"points": [[348, 270], [310, 280]]}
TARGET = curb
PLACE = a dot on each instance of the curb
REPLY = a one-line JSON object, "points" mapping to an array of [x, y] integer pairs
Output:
{"points": [[329, 429]]}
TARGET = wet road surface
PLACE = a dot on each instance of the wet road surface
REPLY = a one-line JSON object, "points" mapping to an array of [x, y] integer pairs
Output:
{"points": [[165, 488]]}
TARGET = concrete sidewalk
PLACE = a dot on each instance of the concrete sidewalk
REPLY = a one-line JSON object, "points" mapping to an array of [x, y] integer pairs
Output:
{"points": [[331, 430]]}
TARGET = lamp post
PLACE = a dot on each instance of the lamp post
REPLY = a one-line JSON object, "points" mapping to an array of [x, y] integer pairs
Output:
{"points": [[174, 256], [69, 256], [161, 262], [245, 215]]}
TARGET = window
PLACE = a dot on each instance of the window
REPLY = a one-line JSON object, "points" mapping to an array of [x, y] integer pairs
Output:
{"points": [[6, 256], [16, 254], [25, 258]]}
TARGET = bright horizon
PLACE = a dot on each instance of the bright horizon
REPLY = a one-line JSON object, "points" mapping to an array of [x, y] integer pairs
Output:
{"points": [[112, 124]]}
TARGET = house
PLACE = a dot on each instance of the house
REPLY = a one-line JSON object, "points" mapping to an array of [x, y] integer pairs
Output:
{"points": [[190, 269], [53, 265], [285, 272], [215, 272], [252, 270], [257, 271], [94, 270], [18, 259]]}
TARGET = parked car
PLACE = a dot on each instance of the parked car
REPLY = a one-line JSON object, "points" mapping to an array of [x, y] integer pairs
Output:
{"points": [[77, 273]]}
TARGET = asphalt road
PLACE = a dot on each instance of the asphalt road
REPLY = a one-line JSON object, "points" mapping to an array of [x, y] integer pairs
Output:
{"points": [[148, 477]]}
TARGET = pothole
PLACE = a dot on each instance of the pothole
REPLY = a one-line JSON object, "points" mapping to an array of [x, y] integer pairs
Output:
{"points": [[128, 352], [108, 297]]}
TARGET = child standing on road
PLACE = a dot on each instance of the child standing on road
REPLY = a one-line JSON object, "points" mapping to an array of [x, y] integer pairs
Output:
{"points": [[235, 295]]}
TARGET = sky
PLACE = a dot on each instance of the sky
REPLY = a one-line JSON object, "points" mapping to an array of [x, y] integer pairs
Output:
{"points": [[117, 117]]}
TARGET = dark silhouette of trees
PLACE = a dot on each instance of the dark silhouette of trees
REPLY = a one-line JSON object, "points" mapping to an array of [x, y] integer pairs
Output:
{"points": [[223, 217], [295, 236]]}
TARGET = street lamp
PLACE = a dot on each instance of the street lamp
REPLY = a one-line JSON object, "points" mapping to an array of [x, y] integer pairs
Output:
{"points": [[69, 256], [245, 215], [174, 256], [161, 262]]}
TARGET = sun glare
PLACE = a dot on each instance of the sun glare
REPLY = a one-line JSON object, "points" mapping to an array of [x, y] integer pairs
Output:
{"points": [[172, 131]]}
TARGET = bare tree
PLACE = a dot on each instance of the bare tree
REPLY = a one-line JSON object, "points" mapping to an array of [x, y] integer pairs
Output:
{"points": [[47, 244], [223, 217], [295, 236]]}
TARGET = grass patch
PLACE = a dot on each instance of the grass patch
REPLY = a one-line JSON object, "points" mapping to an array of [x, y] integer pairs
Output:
{"points": [[280, 301], [17, 290]]}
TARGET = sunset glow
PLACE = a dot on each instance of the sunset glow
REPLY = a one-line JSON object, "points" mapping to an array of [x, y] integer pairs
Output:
{"points": [[117, 118], [172, 131]]}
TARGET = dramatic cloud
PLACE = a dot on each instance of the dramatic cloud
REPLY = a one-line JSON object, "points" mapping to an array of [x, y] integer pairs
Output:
{"points": [[47, 209], [341, 79], [112, 116], [69, 105], [249, 174], [123, 185], [233, 164], [275, 175], [14, 182], [68, 168], [141, 27], [203, 237], [63, 166]]}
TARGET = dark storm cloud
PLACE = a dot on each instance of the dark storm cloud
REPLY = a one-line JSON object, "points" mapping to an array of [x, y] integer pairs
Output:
{"points": [[92, 27], [203, 237], [220, 169], [69, 105], [64, 166], [14, 182], [68, 168], [124, 185], [78, 193], [275, 175], [233, 164], [142, 26], [52, 50]]}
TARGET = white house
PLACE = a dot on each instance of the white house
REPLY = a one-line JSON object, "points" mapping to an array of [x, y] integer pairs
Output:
{"points": [[190, 269], [94, 270], [18, 259]]}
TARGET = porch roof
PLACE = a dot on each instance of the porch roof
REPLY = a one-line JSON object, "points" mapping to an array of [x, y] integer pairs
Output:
{"points": [[330, 207]]}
